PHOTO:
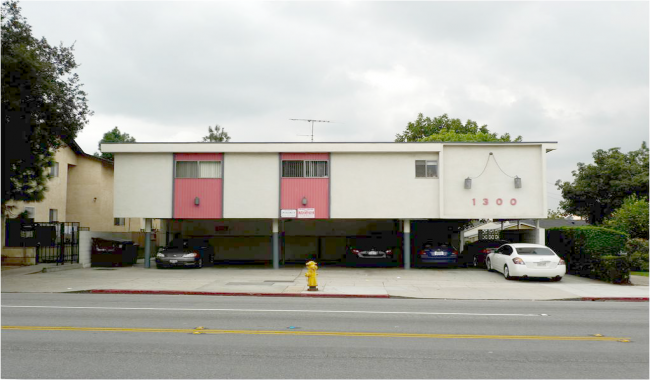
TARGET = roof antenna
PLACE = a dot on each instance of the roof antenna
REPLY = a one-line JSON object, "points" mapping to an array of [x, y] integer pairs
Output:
{"points": [[312, 125]]}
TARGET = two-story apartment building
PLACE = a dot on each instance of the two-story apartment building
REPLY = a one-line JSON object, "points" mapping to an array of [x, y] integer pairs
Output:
{"points": [[291, 201]]}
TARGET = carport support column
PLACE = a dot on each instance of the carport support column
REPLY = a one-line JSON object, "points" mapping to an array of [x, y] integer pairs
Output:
{"points": [[276, 245], [147, 242], [407, 244]]}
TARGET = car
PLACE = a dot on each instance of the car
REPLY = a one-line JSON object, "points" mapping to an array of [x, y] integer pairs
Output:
{"points": [[474, 254], [437, 254], [526, 260], [370, 250], [194, 253]]}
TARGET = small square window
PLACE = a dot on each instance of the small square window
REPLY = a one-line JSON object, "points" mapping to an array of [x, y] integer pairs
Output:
{"points": [[54, 215], [54, 170], [119, 221], [426, 169]]}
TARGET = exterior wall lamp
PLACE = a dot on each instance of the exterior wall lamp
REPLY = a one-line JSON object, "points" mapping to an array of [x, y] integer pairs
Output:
{"points": [[196, 201], [517, 182], [304, 201], [468, 183]]}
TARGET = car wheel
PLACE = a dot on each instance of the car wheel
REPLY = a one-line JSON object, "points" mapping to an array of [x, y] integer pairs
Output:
{"points": [[506, 273], [158, 266], [475, 261], [488, 265], [200, 263], [556, 278]]}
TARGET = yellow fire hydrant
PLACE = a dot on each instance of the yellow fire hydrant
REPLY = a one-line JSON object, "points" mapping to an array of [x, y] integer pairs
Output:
{"points": [[311, 276]]}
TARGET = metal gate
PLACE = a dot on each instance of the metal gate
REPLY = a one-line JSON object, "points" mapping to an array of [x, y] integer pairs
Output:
{"points": [[57, 242]]}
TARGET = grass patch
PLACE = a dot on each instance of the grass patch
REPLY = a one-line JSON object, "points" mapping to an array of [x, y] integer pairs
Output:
{"points": [[640, 273]]}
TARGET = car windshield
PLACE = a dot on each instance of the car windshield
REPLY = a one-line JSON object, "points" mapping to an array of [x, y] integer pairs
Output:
{"points": [[177, 243], [540, 251]]}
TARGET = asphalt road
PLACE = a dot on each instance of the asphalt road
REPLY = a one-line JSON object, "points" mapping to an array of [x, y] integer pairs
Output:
{"points": [[155, 336]]}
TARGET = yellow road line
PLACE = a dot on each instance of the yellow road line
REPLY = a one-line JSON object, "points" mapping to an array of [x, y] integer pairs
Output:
{"points": [[314, 333]]}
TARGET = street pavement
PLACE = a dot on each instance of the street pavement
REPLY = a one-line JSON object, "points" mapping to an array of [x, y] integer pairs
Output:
{"points": [[333, 281]]}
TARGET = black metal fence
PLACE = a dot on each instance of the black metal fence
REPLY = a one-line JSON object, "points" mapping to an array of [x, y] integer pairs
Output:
{"points": [[55, 242]]}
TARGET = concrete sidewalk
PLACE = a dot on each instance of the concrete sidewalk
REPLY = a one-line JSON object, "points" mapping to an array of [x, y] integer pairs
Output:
{"points": [[462, 283]]}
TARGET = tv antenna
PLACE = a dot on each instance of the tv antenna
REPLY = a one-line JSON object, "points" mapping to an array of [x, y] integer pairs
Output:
{"points": [[312, 125]]}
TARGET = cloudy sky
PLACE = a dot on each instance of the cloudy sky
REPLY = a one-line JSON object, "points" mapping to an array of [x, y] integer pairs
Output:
{"points": [[571, 72]]}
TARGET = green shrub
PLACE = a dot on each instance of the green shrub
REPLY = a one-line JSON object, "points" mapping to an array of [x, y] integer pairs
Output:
{"points": [[614, 269], [637, 250]]}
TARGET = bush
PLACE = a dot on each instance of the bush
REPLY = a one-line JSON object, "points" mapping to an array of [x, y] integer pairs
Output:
{"points": [[637, 250], [614, 269], [631, 217]]}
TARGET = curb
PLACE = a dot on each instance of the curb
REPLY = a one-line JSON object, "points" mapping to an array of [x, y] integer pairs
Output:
{"points": [[194, 293], [619, 299], [62, 268]]}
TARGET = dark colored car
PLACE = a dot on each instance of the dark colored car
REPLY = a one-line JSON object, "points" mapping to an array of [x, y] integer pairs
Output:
{"points": [[474, 254], [437, 254], [194, 253], [370, 250]]}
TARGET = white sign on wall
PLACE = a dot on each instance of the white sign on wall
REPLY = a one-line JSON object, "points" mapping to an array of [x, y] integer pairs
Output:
{"points": [[287, 213], [307, 213]]}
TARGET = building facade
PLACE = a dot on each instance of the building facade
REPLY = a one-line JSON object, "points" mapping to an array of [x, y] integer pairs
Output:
{"points": [[291, 201]]}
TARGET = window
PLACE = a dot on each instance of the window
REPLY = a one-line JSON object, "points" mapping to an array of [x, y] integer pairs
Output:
{"points": [[426, 169], [119, 221], [54, 170], [198, 169], [54, 215], [305, 169], [30, 212]]}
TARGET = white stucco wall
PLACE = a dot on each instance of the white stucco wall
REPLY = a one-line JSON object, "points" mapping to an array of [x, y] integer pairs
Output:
{"points": [[523, 161], [382, 185], [143, 185], [251, 185]]}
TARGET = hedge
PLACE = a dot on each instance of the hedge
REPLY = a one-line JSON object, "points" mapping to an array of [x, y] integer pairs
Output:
{"points": [[615, 269], [583, 248], [637, 250]]}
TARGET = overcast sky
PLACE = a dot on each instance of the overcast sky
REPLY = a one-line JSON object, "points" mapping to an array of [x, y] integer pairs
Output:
{"points": [[571, 72]]}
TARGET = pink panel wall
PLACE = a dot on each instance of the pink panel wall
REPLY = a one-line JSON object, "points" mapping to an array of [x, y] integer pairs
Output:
{"points": [[316, 190], [198, 156], [208, 190]]}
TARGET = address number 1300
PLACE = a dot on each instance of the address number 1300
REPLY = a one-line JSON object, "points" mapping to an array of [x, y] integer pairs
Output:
{"points": [[499, 201]]}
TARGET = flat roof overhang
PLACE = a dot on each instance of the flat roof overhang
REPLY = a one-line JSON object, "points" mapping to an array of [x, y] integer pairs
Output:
{"points": [[297, 147]]}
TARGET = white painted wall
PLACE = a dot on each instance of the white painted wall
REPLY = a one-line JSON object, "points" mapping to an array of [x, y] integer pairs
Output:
{"points": [[382, 185], [526, 162], [85, 243], [143, 185], [251, 185]]}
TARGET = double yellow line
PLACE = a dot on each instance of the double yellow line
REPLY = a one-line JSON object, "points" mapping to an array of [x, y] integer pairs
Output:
{"points": [[315, 333]]}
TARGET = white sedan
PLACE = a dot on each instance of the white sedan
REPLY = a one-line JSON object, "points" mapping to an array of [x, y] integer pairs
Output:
{"points": [[526, 260]]}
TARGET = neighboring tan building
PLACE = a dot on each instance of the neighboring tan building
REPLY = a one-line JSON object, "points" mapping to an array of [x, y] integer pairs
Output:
{"points": [[80, 190]]}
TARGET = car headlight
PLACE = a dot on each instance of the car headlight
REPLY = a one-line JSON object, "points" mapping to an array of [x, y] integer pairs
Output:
{"points": [[160, 254], [193, 254]]}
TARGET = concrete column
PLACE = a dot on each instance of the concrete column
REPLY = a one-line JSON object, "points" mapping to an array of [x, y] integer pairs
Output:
{"points": [[540, 234], [462, 240], [147, 242], [276, 245], [407, 243]]}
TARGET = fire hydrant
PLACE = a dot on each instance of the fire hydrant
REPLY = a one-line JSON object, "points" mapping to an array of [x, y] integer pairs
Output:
{"points": [[311, 276]]}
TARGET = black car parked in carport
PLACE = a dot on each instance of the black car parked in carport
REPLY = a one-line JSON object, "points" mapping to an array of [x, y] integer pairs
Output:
{"points": [[194, 253], [474, 254]]}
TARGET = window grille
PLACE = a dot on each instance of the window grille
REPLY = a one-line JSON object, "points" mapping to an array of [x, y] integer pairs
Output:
{"points": [[305, 169], [198, 169], [426, 169]]}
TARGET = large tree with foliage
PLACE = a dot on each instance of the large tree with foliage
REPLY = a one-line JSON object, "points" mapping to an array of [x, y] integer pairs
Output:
{"points": [[113, 136], [632, 218], [600, 188], [217, 135], [43, 106], [442, 128]]}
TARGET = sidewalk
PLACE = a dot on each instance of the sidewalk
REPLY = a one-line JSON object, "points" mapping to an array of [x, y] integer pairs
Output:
{"points": [[462, 283]]}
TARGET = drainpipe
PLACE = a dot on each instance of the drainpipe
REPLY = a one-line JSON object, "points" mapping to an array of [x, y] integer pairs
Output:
{"points": [[276, 245], [147, 242]]}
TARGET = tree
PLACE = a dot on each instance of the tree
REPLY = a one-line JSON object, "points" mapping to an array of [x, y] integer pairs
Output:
{"points": [[43, 106], [600, 188], [217, 135], [113, 136], [632, 218], [442, 128]]}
